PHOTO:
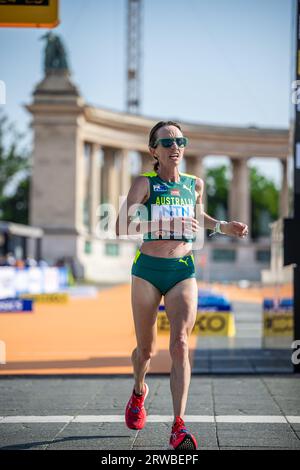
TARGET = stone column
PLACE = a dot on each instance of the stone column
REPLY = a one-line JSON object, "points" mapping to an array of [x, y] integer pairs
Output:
{"points": [[110, 177], [80, 183], [57, 153], [147, 162], [239, 192], [125, 174], [194, 166], [95, 178], [57, 188], [284, 194]]}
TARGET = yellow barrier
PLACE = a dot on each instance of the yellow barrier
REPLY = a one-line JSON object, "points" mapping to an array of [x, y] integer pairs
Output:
{"points": [[208, 323], [278, 323], [55, 298], [29, 13]]}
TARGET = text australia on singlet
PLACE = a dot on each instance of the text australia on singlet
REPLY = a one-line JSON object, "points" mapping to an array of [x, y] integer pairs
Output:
{"points": [[171, 206]]}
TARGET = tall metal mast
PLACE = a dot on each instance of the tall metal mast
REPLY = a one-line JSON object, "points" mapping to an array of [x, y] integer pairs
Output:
{"points": [[134, 48]]}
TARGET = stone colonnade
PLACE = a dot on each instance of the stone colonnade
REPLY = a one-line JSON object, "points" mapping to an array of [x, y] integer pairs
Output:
{"points": [[112, 178], [82, 158]]}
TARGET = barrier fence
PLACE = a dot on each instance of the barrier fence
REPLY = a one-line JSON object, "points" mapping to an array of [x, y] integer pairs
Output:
{"points": [[214, 316], [278, 319], [32, 280]]}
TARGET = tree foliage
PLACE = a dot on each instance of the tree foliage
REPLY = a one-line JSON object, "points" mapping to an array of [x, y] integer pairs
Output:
{"points": [[264, 203], [217, 190], [264, 198], [14, 174]]}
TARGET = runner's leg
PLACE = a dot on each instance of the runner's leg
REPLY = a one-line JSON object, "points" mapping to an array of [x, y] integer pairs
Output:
{"points": [[181, 309], [145, 299]]}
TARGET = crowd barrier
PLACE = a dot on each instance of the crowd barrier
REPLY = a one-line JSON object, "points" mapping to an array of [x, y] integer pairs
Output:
{"points": [[278, 319], [15, 282], [214, 317], [2, 352], [52, 298], [16, 305]]}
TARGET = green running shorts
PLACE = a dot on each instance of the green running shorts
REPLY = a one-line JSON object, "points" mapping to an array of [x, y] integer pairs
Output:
{"points": [[163, 273]]}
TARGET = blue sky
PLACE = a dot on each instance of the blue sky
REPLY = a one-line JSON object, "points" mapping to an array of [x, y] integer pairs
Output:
{"points": [[207, 61]]}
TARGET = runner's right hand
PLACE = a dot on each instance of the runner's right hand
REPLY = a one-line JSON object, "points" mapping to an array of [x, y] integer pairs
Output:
{"points": [[184, 225]]}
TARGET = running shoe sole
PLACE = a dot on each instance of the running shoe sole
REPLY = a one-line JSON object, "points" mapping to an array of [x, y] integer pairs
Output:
{"points": [[186, 444]]}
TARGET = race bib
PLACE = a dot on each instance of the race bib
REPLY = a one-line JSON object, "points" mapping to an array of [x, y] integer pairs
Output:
{"points": [[169, 211]]}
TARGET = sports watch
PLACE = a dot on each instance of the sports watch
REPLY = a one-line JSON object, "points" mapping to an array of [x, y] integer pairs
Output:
{"points": [[217, 228]]}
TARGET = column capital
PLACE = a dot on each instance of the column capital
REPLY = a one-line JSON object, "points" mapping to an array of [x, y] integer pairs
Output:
{"points": [[242, 159]]}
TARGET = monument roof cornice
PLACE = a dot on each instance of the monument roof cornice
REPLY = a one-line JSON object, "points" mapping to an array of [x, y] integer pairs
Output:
{"points": [[106, 116], [235, 141]]}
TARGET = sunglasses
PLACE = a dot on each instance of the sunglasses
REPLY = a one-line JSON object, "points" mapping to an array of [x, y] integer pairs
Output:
{"points": [[168, 142]]}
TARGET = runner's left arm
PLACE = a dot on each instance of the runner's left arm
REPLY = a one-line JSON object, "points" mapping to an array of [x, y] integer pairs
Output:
{"points": [[233, 229]]}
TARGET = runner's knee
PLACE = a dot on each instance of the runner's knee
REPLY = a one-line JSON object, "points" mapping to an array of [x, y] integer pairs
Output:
{"points": [[179, 347]]}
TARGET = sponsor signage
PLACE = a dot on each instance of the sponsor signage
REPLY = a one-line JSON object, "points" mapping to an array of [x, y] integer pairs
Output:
{"points": [[29, 13], [53, 298], [15, 305], [208, 323]]}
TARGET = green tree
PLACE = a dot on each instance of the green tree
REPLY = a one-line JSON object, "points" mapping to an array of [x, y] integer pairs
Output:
{"points": [[264, 198], [217, 189], [264, 203], [14, 174]]}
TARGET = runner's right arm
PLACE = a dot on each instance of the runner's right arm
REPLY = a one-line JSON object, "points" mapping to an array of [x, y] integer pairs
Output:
{"points": [[138, 194]]}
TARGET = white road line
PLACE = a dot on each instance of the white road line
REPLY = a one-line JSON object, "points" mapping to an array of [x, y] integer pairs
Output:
{"points": [[251, 419], [98, 419], [238, 419], [198, 419], [293, 419], [36, 419]]}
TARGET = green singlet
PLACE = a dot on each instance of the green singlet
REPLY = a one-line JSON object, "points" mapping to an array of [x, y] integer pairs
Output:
{"points": [[170, 199], [167, 199]]}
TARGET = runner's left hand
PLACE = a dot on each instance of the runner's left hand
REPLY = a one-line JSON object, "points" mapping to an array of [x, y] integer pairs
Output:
{"points": [[235, 229]]}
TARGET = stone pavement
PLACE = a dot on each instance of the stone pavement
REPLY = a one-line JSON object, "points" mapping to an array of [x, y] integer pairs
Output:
{"points": [[224, 412]]}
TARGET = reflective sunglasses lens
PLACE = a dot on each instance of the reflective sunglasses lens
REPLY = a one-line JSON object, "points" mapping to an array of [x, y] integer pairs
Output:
{"points": [[180, 141], [183, 142], [167, 142]]}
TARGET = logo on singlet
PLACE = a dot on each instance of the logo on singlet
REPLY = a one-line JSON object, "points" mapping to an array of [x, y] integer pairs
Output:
{"points": [[175, 192], [159, 187], [186, 187]]}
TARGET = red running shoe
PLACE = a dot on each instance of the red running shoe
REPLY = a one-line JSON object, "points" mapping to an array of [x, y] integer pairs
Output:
{"points": [[135, 414], [180, 438]]}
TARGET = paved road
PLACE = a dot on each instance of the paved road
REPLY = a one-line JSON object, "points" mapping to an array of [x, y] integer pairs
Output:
{"points": [[253, 412]]}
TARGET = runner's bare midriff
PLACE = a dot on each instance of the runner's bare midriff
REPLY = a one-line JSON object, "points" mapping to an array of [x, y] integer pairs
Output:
{"points": [[166, 248]]}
